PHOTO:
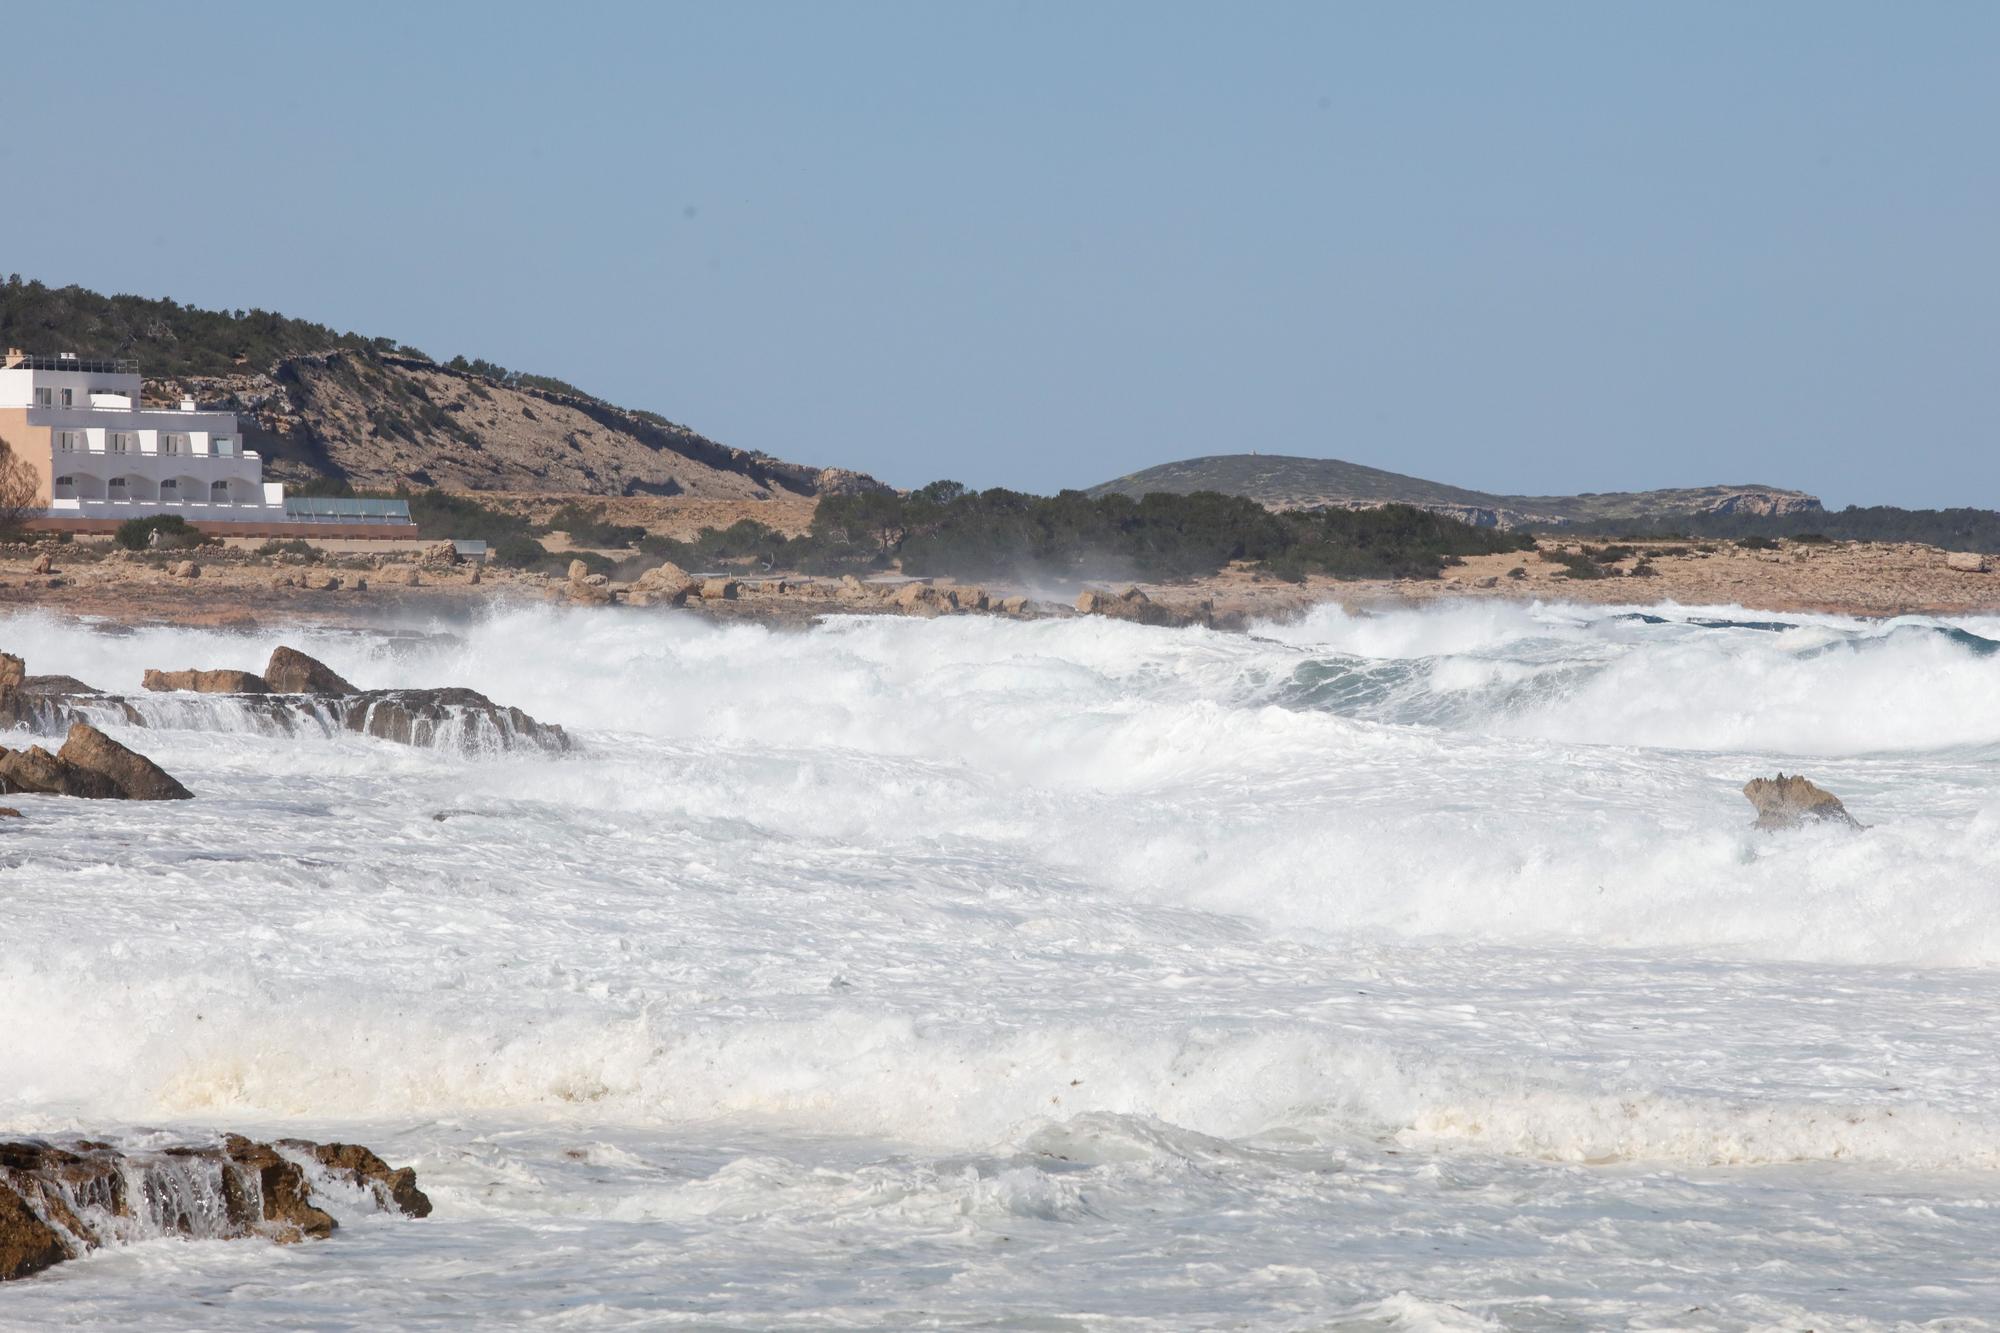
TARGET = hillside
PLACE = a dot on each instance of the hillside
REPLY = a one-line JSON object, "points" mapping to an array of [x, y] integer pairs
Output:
{"points": [[325, 406], [1281, 482]]}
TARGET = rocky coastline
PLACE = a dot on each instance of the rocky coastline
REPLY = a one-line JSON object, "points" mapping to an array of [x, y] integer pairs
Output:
{"points": [[62, 1200]]}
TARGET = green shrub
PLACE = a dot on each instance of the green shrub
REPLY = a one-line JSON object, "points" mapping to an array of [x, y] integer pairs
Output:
{"points": [[175, 533], [517, 551], [295, 546], [1756, 543]]}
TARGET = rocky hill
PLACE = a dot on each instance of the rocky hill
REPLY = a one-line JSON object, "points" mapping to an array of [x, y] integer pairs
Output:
{"points": [[376, 414], [1281, 482]]}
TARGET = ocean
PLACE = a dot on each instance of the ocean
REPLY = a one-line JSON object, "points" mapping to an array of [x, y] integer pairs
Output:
{"points": [[1414, 971]]}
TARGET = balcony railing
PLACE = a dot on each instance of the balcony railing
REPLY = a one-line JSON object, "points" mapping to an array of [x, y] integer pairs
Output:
{"points": [[93, 365]]}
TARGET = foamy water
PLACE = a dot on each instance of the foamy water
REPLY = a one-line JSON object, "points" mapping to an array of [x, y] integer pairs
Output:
{"points": [[1417, 971]]}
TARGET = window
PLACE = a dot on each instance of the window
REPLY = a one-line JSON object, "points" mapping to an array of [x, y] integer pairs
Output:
{"points": [[45, 396], [69, 398], [118, 483], [121, 441], [224, 446], [66, 441], [173, 444], [65, 481], [166, 486], [221, 488]]}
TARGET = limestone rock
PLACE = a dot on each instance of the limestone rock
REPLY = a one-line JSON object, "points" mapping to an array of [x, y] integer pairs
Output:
{"points": [[185, 569], [666, 582], [441, 553], [222, 681], [429, 717], [1967, 562], [90, 765], [1132, 605], [1787, 802], [720, 590], [1014, 605], [578, 571], [9, 812], [60, 1202], [27, 1243], [44, 564], [292, 672], [921, 599], [392, 1186]]}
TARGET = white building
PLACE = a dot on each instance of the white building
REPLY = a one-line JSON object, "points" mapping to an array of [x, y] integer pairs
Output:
{"points": [[102, 458]]}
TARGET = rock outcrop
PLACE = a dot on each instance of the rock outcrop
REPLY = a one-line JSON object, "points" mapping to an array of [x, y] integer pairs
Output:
{"points": [[1132, 605], [1787, 802], [91, 765], [61, 1201], [1967, 562], [292, 672], [222, 681]]}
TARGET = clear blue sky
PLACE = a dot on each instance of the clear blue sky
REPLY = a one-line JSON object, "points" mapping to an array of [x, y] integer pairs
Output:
{"points": [[1554, 247]]}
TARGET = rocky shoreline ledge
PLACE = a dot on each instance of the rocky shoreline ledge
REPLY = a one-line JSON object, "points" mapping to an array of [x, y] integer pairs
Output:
{"points": [[239, 587], [61, 1201]]}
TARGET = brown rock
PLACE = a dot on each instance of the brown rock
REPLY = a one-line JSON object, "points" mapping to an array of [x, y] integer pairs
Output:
{"points": [[578, 571], [292, 672], [9, 812], [221, 681], [668, 582], [442, 553], [719, 590], [393, 1187], [287, 1196], [44, 564], [1014, 605], [473, 577], [27, 1243], [13, 671], [1787, 802], [1966, 562], [186, 569], [135, 777]]}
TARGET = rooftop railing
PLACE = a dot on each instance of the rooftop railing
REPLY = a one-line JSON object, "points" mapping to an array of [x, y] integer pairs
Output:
{"points": [[95, 365]]}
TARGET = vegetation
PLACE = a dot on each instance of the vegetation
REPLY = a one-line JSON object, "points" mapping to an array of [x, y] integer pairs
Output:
{"points": [[162, 531], [167, 337], [946, 529], [1952, 529], [586, 526], [20, 493]]}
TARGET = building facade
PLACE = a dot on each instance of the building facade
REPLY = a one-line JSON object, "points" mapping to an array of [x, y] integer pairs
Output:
{"points": [[101, 457]]}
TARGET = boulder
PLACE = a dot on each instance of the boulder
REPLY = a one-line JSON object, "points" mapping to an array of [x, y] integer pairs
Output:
{"points": [[667, 582], [921, 599], [393, 1187], [441, 553], [1132, 605], [292, 672], [854, 588], [720, 590], [185, 569], [222, 681], [578, 571], [1967, 562], [27, 1243], [401, 575], [429, 717], [61, 1201], [90, 765], [1787, 802], [473, 577], [9, 812], [13, 671], [44, 564]]}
